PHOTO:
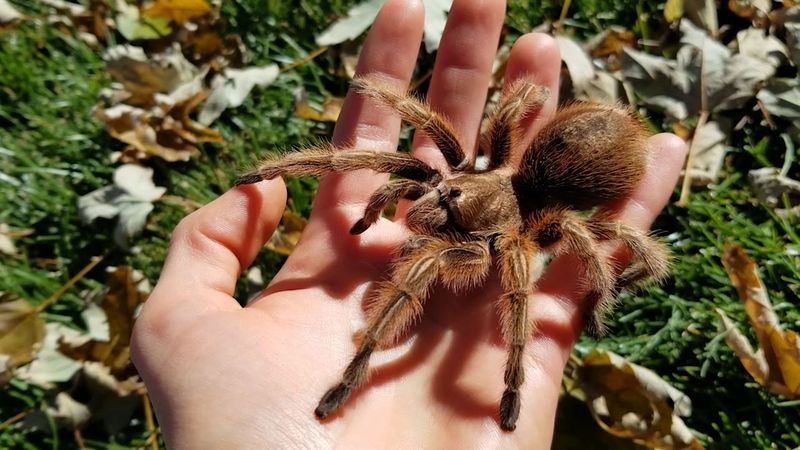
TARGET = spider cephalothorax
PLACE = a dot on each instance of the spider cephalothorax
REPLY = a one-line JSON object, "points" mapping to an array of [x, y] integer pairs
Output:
{"points": [[509, 213]]}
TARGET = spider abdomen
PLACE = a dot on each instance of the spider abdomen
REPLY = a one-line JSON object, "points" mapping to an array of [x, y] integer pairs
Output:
{"points": [[588, 155]]}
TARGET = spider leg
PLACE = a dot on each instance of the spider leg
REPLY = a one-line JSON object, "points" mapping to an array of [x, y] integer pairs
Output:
{"points": [[569, 232], [322, 159], [399, 302], [516, 261], [502, 128], [389, 192], [650, 256], [433, 124]]}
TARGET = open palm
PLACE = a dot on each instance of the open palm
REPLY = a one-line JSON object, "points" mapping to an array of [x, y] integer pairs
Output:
{"points": [[222, 376]]}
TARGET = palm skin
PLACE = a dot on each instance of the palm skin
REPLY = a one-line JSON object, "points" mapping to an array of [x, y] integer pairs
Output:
{"points": [[222, 376]]}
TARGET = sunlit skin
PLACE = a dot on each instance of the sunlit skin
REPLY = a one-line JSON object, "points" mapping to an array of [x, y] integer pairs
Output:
{"points": [[222, 376]]}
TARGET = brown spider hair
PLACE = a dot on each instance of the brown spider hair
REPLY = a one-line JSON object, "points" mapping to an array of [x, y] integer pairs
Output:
{"points": [[468, 219]]}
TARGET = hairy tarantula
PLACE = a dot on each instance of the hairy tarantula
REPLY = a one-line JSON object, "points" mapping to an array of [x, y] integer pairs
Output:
{"points": [[588, 155]]}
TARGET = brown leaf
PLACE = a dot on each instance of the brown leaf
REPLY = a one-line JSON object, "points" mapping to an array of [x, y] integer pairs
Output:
{"points": [[179, 11], [285, 238], [755, 10], [165, 131], [633, 402], [21, 330], [610, 41], [331, 107], [119, 304], [776, 365]]}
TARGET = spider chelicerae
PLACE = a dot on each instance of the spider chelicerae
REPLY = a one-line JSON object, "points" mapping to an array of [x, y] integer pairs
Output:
{"points": [[508, 213]]}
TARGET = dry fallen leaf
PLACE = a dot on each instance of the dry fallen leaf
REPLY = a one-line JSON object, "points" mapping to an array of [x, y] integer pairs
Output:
{"points": [[120, 302], [178, 11], [588, 82], [6, 243], [755, 10], [107, 388], [776, 364], [150, 108], [130, 198], [781, 97], [708, 146], [633, 402], [133, 26], [361, 16], [610, 41], [329, 112], [730, 79], [285, 238], [50, 365], [21, 330], [703, 13], [770, 186], [7, 13], [142, 76], [231, 88]]}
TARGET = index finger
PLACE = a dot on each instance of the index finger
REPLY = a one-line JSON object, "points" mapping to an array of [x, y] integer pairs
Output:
{"points": [[390, 53]]}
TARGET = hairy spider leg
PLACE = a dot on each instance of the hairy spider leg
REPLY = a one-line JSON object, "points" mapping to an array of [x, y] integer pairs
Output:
{"points": [[650, 256], [503, 128], [323, 159], [417, 113], [388, 193], [516, 253], [399, 302], [565, 231]]}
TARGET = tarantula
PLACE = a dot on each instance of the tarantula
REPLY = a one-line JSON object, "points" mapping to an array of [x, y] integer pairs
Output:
{"points": [[588, 155]]}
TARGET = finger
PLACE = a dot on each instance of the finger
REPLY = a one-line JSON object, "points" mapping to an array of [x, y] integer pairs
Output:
{"points": [[461, 73], [557, 303], [209, 250], [390, 52], [643, 206], [535, 56]]}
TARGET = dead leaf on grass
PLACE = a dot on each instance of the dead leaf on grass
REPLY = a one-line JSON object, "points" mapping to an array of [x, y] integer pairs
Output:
{"points": [[755, 10], [21, 330], [588, 83], [8, 14], [781, 97], [610, 42], [708, 146], [771, 186], [6, 242], [133, 26], [142, 77], [285, 238], [178, 11], [50, 365], [123, 296], [129, 198], [230, 88], [776, 364], [633, 402], [361, 16], [703, 13], [730, 79], [329, 112]]}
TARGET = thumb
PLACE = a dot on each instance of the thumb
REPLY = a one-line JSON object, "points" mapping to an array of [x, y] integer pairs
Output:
{"points": [[209, 250]]}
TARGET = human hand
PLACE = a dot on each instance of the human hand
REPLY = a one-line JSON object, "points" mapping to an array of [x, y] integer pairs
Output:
{"points": [[222, 376]]}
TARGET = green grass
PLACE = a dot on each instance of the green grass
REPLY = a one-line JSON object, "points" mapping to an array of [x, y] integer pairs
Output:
{"points": [[52, 151]]}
